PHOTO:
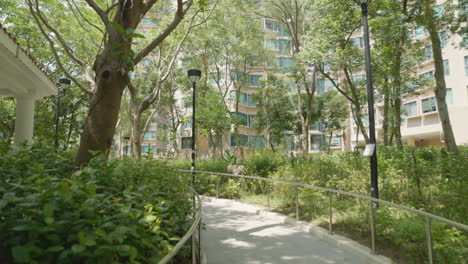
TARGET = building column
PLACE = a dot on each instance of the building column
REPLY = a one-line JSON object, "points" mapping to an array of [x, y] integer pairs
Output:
{"points": [[24, 119]]}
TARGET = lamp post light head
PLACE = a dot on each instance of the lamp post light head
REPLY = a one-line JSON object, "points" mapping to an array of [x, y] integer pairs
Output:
{"points": [[64, 83], [194, 75], [363, 2]]}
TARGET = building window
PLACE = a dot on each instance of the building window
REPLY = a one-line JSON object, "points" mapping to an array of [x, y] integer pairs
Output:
{"points": [[257, 141], [272, 44], [149, 22], [446, 68], [443, 39], [148, 150], [271, 25], [150, 135], [411, 109], [251, 120], [365, 119], [241, 117], [187, 124], [358, 42], [186, 143], [250, 100], [425, 78], [283, 30], [315, 142], [317, 125], [127, 150], [448, 96], [285, 62], [335, 142], [244, 140], [421, 32], [466, 65], [284, 46], [429, 105], [428, 55], [254, 80], [324, 85]]}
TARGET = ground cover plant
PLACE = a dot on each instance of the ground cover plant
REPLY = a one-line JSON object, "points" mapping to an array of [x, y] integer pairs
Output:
{"points": [[108, 212], [429, 179]]}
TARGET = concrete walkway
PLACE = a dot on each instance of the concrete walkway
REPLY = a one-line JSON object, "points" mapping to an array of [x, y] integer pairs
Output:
{"points": [[236, 234]]}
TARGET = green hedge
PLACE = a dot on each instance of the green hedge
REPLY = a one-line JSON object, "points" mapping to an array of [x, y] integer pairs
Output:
{"points": [[114, 212]]}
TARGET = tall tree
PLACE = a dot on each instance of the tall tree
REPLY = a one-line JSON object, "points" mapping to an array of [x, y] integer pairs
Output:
{"points": [[433, 22], [109, 74], [293, 15]]}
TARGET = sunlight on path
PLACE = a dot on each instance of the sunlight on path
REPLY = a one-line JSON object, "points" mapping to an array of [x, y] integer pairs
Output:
{"points": [[236, 234]]}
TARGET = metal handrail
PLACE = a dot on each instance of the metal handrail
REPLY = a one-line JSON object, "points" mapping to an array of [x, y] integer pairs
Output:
{"points": [[422, 213], [372, 201], [190, 233]]}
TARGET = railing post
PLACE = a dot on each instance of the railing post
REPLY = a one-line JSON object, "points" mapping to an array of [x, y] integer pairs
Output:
{"points": [[199, 240], [330, 212], [242, 187], [372, 226], [268, 195], [297, 203], [194, 257], [429, 239], [217, 186]]}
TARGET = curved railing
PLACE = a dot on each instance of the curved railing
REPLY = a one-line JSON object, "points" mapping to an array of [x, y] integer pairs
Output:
{"points": [[372, 201], [194, 232]]}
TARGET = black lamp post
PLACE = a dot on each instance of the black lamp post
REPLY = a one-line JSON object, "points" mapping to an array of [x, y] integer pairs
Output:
{"points": [[372, 147], [194, 76], [64, 84]]}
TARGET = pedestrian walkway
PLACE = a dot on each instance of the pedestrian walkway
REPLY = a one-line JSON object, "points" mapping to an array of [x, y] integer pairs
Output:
{"points": [[236, 234]]}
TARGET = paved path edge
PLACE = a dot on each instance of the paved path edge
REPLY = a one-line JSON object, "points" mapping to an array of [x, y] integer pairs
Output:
{"points": [[341, 242]]}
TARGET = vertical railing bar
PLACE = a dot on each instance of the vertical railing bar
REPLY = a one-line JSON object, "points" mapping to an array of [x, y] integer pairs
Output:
{"points": [[268, 195], [194, 257], [217, 185], [330, 213], [242, 187], [199, 241], [372, 226], [297, 203], [429, 239]]}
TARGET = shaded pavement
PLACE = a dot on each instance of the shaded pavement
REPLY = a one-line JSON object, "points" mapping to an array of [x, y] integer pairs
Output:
{"points": [[235, 234]]}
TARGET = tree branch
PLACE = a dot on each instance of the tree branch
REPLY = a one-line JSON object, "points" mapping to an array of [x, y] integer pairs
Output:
{"points": [[101, 14], [179, 15], [59, 36], [57, 57]]}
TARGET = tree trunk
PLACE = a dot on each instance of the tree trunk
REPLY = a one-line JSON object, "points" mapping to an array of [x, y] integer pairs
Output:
{"points": [[136, 133], [305, 139], [440, 89], [386, 113], [397, 84], [103, 113]]}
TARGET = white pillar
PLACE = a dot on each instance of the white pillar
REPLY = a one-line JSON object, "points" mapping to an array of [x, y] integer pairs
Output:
{"points": [[24, 119]]}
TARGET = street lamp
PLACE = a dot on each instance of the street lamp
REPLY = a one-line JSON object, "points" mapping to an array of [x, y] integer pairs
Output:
{"points": [[371, 148], [193, 75], [64, 84]]}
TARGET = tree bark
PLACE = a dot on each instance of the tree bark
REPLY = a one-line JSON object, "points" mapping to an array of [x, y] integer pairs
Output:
{"points": [[136, 133], [440, 90]]}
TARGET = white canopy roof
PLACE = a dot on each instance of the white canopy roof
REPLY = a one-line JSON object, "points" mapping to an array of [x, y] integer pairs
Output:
{"points": [[20, 75]]}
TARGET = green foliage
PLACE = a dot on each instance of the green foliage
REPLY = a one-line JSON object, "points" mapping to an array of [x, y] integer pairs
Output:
{"points": [[115, 212], [264, 163], [428, 179]]}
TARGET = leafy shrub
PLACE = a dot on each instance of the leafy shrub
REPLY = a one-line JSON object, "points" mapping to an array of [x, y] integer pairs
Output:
{"points": [[116, 212]]}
